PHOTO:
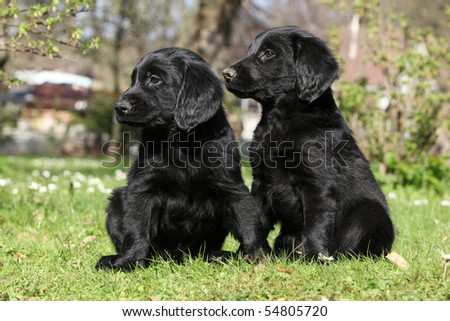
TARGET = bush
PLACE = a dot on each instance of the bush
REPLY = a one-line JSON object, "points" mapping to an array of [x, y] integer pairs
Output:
{"points": [[401, 134], [430, 173], [8, 118]]}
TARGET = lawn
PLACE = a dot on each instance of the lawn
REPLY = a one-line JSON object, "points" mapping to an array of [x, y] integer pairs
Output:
{"points": [[52, 233]]}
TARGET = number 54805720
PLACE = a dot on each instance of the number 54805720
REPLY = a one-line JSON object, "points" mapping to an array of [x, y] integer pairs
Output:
{"points": [[296, 311]]}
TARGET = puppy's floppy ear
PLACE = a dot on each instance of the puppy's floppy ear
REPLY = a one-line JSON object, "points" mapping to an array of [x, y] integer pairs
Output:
{"points": [[315, 66], [200, 96]]}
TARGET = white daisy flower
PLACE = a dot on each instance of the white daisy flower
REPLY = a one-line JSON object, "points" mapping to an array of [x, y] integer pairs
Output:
{"points": [[420, 202], [46, 173], [4, 182], [120, 175], [392, 195], [79, 177], [33, 186], [76, 184], [94, 181], [445, 203]]}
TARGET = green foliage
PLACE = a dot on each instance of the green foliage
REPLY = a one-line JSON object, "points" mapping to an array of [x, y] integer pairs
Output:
{"points": [[41, 28], [428, 173], [7, 118], [351, 96], [44, 28], [413, 62]]}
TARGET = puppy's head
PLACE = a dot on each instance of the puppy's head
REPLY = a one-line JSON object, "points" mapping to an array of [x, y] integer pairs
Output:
{"points": [[171, 85], [282, 61]]}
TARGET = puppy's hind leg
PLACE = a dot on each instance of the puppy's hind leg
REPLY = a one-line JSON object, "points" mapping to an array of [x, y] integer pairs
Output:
{"points": [[367, 230]]}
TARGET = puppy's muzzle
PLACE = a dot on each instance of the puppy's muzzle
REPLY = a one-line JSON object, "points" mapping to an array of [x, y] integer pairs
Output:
{"points": [[229, 74], [122, 107]]}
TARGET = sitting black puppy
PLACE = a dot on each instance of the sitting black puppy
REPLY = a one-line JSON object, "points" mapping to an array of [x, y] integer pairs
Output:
{"points": [[185, 191], [309, 173]]}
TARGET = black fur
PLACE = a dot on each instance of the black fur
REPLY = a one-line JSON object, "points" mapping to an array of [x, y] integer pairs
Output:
{"points": [[185, 192], [314, 180]]}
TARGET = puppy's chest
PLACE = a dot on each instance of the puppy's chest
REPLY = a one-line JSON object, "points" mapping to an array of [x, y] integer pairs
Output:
{"points": [[281, 126], [167, 182], [177, 206], [279, 143]]}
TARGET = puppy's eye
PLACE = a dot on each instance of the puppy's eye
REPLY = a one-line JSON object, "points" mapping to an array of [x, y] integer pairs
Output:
{"points": [[153, 79], [267, 54]]}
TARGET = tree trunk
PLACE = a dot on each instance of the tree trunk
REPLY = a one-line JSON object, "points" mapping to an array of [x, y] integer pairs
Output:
{"points": [[115, 66], [212, 30], [5, 56]]}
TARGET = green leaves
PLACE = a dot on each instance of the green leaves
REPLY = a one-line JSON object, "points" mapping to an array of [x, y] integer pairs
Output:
{"points": [[76, 34], [11, 10], [38, 10], [44, 29], [401, 132], [23, 29], [52, 49]]}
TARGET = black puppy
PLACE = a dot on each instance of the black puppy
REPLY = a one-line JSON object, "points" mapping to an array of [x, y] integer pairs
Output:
{"points": [[309, 173], [185, 192]]}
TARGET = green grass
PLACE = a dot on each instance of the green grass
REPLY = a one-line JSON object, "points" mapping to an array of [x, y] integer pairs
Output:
{"points": [[50, 242]]}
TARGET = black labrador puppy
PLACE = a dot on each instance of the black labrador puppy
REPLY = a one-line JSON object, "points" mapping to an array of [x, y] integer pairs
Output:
{"points": [[185, 191], [309, 173]]}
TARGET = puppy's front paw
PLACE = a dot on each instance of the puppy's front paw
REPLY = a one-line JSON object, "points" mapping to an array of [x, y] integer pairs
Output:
{"points": [[298, 252], [220, 256], [311, 250], [324, 258], [114, 262], [257, 254], [106, 262]]}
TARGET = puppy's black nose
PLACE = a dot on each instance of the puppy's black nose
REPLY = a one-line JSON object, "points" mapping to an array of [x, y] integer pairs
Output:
{"points": [[229, 73], [122, 107]]}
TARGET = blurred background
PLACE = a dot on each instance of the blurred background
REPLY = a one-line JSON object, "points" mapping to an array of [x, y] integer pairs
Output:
{"points": [[64, 64]]}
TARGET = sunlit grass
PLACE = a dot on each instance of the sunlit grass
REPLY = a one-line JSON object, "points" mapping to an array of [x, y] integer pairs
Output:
{"points": [[52, 237]]}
